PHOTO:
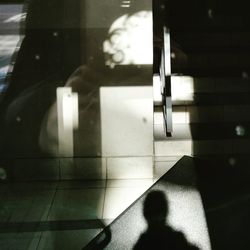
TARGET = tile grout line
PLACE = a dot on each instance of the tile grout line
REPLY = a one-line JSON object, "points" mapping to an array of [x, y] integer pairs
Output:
{"points": [[53, 199], [59, 169], [40, 237], [105, 188]]}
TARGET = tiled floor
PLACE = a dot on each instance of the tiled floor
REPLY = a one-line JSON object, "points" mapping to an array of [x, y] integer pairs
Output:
{"points": [[61, 215]]}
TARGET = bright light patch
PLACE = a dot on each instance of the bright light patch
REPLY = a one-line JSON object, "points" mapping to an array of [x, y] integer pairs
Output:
{"points": [[130, 40], [3, 174], [67, 114], [240, 130], [182, 88], [70, 111], [179, 116], [16, 18]]}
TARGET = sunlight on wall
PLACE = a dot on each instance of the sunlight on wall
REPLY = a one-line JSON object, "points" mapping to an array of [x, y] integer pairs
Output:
{"points": [[130, 40]]}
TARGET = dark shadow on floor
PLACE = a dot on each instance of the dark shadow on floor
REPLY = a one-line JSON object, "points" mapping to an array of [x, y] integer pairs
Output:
{"points": [[158, 233]]}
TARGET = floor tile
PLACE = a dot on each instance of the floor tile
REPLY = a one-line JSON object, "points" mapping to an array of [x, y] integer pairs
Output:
{"points": [[130, 168], [130, 183], [77, 204], [118, 199], [162, 167], [66, 240], [26, 205], [83, 168]]}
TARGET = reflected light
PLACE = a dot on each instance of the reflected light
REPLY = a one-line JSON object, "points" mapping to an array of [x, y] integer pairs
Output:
{"points": [[130, 40], [245, 75], [16, 18], [8, 45], [182, 88], [232, 161], [240, 130], [125, 4], [3, 174], [67, 115]]}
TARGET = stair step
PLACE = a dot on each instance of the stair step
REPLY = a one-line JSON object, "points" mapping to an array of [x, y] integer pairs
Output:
{"points": [[210, 70], [202, 147], [206, 114], [194, 90], [214, 39], [210, 99], [204, 131]]}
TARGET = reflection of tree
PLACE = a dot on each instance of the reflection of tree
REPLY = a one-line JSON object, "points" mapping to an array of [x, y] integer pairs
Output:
{"points": [[159, 235], [130, 40], [85, 82]]}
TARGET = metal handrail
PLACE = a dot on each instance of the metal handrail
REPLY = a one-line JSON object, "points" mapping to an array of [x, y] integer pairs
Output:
{"points": [[165, 78]]}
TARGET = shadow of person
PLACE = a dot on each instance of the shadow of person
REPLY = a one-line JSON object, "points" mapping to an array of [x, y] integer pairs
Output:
{"points": [[159, 235]]}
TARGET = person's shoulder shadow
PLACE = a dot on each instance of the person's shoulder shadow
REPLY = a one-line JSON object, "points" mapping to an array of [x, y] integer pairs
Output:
{"points": [[159, 235]]}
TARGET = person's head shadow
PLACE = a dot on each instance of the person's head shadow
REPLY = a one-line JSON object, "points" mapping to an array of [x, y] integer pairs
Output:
{"points": [[155, 209], [158, 234]]}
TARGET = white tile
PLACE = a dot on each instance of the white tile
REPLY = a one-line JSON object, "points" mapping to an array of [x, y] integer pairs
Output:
{"points": [[179, 115], [158, 117], [79, 184], [173, 148], [83, 168], [159, 131], [127, 121], [157, 90], [180, 131], [182, 88], [118, 199], [130, 183], [130, 168], [167, 158], [163, 167]]}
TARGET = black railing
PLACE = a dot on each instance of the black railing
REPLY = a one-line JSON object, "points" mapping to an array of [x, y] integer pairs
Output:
{"points": [[165, 78]]}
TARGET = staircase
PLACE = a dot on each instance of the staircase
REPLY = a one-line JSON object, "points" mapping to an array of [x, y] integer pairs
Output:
{"points": [[210, 120], [210, 83]]}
